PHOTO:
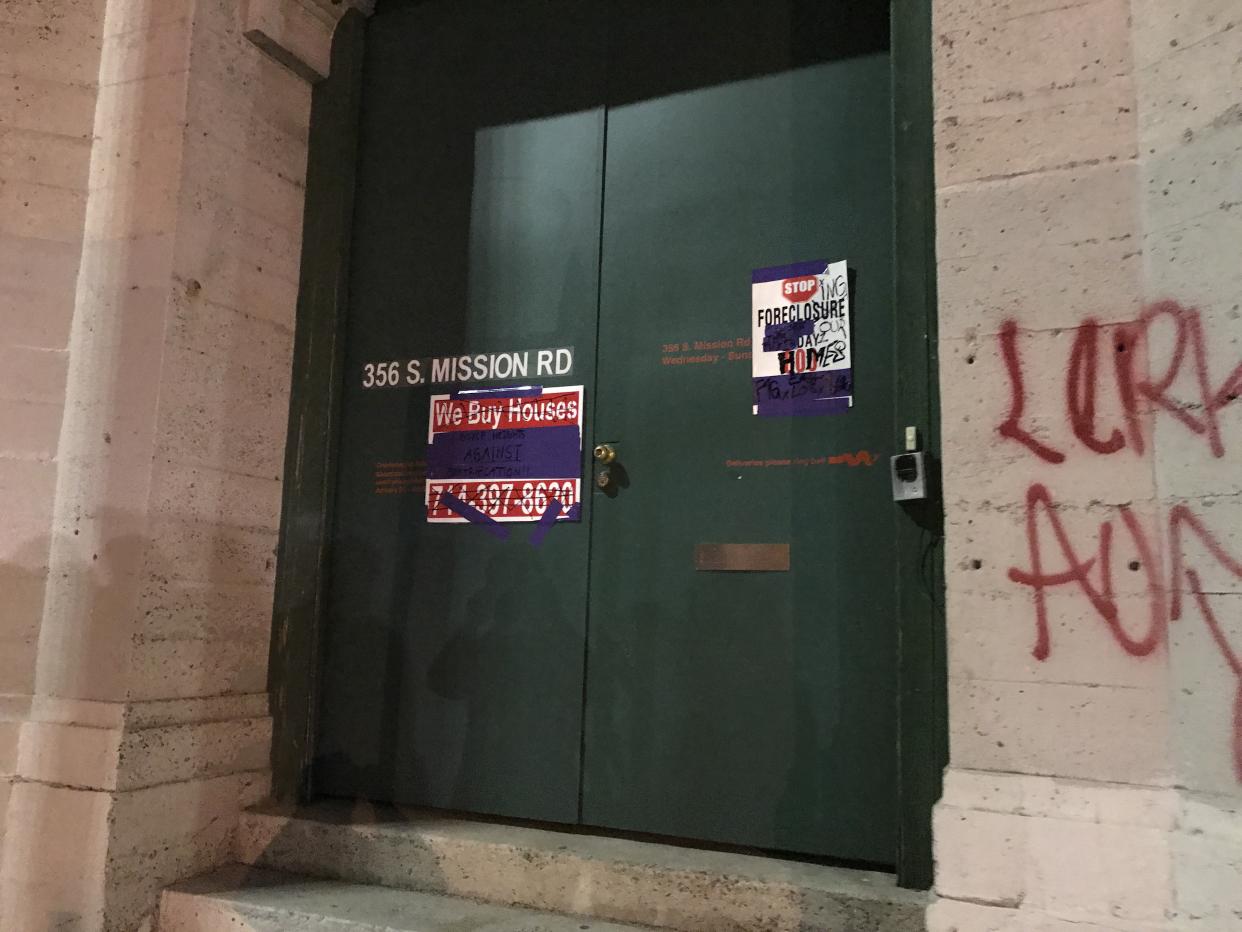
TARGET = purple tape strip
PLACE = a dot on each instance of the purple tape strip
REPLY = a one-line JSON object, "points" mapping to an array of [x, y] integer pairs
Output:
{"points": [[474, 516], [806, 393], [545, 523], [785, 336], [548, 520], [521, 391], [796, 270]]}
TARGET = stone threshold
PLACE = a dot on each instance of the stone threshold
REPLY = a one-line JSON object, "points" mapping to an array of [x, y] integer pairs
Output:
{"points": [[258, 900], [600, 878]]}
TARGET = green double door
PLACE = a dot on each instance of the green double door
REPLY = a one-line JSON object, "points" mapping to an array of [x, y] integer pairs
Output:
{"points": [[601, 179]]}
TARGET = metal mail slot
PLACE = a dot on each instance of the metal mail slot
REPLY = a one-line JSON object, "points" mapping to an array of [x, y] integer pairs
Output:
{"points": [[742, 558]]}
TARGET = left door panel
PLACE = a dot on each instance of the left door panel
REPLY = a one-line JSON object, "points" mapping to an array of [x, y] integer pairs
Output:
{"points": [[453, 661]]}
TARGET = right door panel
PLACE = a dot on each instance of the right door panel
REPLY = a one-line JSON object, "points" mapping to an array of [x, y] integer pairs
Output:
{"points": [[752, 708]]}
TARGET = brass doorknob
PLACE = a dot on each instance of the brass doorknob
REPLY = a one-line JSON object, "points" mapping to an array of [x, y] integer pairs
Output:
{"points": [[605, 453]]}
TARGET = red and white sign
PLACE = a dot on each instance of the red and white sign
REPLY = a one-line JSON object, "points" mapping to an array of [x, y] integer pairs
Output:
{"points": [[503, 499], [802, 288], [551, 410], [505, 453]]}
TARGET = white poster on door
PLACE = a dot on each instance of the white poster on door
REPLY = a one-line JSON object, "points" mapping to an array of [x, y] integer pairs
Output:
{"points": [[800, 335]]}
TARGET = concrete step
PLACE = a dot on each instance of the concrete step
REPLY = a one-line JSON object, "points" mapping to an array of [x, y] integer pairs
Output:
{"points": [[246, 899], [607, 879]]}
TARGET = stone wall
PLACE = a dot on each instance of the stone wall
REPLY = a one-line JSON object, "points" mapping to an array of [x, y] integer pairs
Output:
{"points": [[1089, 274], [153, 176], [1188, 75], [50, 56]]}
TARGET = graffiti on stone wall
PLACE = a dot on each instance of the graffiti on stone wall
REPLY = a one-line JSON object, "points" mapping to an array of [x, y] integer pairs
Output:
{"points": [[1055, 559]]}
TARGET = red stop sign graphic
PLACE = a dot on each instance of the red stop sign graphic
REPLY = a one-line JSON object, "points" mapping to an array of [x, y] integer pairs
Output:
{"points": [[801, 288]]}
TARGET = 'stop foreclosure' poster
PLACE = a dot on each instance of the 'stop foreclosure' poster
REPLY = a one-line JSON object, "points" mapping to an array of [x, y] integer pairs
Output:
{"points": [[800, 330]]}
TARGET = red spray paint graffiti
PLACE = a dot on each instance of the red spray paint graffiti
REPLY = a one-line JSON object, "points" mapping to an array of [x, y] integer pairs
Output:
{"points": [[861, 458], [1092, 574], [1164, 603], [1131, 342]]}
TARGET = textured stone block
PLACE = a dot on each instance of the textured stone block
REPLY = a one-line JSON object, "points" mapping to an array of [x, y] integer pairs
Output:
{"points": [[145, 155], [246, 179], [33, 374], [1207, 687], [1164, 30], [23, 573], [1047, 285], [955, 916], [28, 488], [10, 736], [1051, 134], [160, 49], [112, 391], [235, 339], [193, 751], [132, 274], [1088, 871], [172, 609], [1220, 519], [205, 494], [271, 92], [1196, 263], [161, 713], [1018, 215], [1207, 859], [171, 832], [44, 158], [18, 648], [50, 49], [145, 15], [129, 207], [272, 131], [988, 543], [244, 284], [207, 551], [230, 425], [1190, 181], [210, 226], [185, 667], [41, 212], [987, 540], [1191, 89], [69, 754], [48, 106], [80, 16], [980, 856], [29, 429], [53, 863], [1009, 62], [230, 363], [1119, 734], [996, 471], [953, 15], [1093, 854], [1187, 468], [993, 634], [129, 126]]}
